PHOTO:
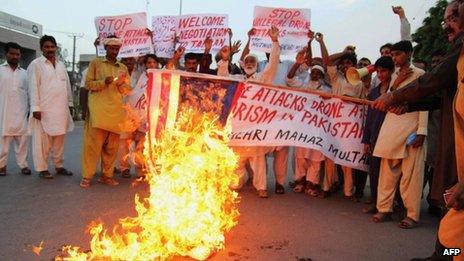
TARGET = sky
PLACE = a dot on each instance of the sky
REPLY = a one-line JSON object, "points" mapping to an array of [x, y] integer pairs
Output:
{"points": [[367, 24]]}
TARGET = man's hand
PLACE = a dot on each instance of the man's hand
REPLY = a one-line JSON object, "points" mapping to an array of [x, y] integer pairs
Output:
{"points": [[311, 35], [178, 53], [320, 38], [383, 102], [236, 47], [367, 149], [457, 196], [274, 34], [208, 44], [149, 32], [251, 32], [301, 56], [229, 31], [109, 80], [399, 11], [37, 115], [96, 42], [418, 141], [121, 78]]}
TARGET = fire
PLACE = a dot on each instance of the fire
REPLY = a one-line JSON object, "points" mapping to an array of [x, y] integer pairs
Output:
{"points": [[190, 205]]}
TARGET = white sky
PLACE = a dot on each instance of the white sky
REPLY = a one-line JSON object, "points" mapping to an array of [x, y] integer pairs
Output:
{"points": [[365, 23]]}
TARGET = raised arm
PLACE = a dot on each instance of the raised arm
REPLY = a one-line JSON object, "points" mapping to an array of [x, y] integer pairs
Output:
{"points": [[324, 52], [173, 63], [246, 50], [299, 60], [206, 59], [405, 26], [270, 70]]}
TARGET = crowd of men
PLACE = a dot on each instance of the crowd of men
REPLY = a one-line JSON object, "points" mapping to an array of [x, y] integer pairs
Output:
{"points": [[413, 132]]}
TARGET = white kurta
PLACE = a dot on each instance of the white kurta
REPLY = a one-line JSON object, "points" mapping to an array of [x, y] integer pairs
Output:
{"points": [[14, 104], [50, 93]]}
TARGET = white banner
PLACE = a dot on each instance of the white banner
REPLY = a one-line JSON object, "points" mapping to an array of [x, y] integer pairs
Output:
{"points": [[130, 28], [293, 24], [192, 31], [273, 116], [164, 33]]}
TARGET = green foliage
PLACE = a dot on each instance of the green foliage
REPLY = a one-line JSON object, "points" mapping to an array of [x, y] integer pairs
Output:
{"points": [[430, 37]]}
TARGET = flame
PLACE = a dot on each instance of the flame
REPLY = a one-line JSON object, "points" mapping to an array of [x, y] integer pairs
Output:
{"points": [[38, 249], [190, 205]]}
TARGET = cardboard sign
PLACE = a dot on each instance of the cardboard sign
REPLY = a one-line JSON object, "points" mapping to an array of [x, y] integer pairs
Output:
{"points": [[130, 28], [164, 33], [293, 25]]}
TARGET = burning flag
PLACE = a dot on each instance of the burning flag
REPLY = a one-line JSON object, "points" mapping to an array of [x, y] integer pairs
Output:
{"points": [[190, 205]]}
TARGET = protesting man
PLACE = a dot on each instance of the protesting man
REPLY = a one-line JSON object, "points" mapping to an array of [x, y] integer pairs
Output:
{"points": [[14, 108], [255, 156], [51, 100], [401, 146], [384, 68], [108, 82]]}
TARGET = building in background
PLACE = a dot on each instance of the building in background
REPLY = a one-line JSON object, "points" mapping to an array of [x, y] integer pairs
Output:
{"points": [[24, 32]]}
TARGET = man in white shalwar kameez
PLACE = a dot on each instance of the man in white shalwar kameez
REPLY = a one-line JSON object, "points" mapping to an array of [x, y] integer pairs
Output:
{"points": [[255, 156], [51, 100], [14, 108]]}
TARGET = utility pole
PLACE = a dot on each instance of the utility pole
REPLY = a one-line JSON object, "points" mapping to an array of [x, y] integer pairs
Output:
{"points": [[74, 36], [180, 7]]}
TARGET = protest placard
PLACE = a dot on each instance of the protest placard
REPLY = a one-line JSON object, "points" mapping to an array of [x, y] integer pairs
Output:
{"points": [[164, 33], [130, 28], [192, 30], [292, 23]]}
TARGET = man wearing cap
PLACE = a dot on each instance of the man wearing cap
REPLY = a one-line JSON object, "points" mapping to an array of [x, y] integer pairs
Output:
{"points": [[400, 144], [255, 155], [108, 82], [308, 161], [50, 100]]}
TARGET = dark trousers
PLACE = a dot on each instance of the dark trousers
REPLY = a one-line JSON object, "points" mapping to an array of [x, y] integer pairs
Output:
{"points": [[360, 180], [374, 171]]}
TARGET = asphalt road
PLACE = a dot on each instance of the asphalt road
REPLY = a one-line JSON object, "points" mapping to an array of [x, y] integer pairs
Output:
{"points": [[282, 227]]}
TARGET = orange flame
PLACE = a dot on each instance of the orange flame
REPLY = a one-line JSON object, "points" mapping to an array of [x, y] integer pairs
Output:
{"points": [[38, 249], [190, 205]]}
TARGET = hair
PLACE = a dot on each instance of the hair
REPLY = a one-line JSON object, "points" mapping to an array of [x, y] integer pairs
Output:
{"points": [[438, 53], [387, 45], [351, 57], [403, 46], [152, 56], [11, 45], [47, 38], [191, 56], [365, 59], [385, 62]]}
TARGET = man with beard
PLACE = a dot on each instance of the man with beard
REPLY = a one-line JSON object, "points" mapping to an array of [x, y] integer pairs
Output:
{"points": [[13, 109], [108, 82], [255, 156], [50, 101]]}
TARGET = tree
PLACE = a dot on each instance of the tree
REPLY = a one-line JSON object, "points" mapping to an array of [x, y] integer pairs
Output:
{"points": [[430, 37]]}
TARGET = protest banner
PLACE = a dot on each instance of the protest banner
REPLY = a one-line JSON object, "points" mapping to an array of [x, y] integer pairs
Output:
{"points": [[264, 115], [293, 25], [130, 28], [192, 30], [164, 33]]}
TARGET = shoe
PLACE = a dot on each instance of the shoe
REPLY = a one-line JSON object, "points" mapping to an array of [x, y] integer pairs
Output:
{"points": [[262, 193], [108, 181], [370, 210], [85, 183], [45, 174], [126, 174], [323, 194], [279, 189], [26, 171], [63, 172], [3, 171]]}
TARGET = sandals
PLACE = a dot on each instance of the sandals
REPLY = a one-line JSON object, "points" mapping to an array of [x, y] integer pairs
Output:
{"points": [[85, 183], [279, 189], [63, 172], [3, 171], [26, 171], [108, 181], [312, 192], [370, 210], [45, 174], [125, 174], [381, 217], [407, 223]]}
